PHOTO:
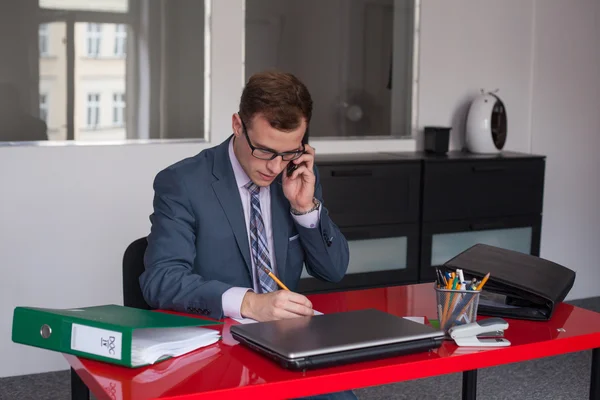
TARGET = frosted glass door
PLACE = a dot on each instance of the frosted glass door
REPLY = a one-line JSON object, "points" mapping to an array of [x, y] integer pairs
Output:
{"points": [[373, 255], [445, 246]]}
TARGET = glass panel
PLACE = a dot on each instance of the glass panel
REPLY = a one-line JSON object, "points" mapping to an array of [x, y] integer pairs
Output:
{"points": [[87, 5], [445, 246], [125, 81], [53, 79], [371, 255], [100, 82], [355, 56]]}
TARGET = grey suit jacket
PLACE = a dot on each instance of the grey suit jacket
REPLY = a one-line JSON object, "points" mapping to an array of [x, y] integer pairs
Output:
{"points": [[198, 245]]}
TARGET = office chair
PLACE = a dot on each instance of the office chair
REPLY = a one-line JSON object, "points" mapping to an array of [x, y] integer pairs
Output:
{"points": [[133, 266]]}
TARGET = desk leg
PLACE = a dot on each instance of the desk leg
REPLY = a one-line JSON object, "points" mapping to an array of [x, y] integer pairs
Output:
{"points": [[79, 391], [595, 378], [469, 386]]}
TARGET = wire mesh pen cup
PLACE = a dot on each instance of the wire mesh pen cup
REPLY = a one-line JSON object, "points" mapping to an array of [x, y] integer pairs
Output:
{"points": [[456, 307]]}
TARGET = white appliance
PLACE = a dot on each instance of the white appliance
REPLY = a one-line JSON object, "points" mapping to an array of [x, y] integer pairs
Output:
{"points": [[486, 124]]}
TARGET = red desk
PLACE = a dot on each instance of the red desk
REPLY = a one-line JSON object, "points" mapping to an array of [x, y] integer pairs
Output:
{"points": [[230, 371]]}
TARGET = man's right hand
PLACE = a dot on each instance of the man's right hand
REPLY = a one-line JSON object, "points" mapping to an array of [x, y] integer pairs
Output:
{"points": [[275, 305]]}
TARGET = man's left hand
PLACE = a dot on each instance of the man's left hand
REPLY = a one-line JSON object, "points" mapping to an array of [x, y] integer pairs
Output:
{"points": [[299, 188]]}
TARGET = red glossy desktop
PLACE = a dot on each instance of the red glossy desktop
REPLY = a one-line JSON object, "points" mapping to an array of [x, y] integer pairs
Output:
{"points": [[228, 370]]}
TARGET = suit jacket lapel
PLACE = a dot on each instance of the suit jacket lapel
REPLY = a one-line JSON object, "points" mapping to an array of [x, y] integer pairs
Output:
{"points": [[279, 224], [227, 192]]}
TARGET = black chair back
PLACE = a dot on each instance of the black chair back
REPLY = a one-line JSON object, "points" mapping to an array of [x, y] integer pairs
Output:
{"points": [[133, 266]]}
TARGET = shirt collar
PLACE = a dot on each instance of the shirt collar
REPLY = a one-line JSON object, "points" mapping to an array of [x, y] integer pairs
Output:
{"points": [[241, 178]]}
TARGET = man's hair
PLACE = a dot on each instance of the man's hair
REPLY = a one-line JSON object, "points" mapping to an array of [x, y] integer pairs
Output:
{"points": [[279, 96]]}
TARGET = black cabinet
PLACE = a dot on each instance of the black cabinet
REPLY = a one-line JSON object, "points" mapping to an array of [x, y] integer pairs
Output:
{"points": [[368, 191], [404, 213], [375, 201], [468, 199], [481, 189]]}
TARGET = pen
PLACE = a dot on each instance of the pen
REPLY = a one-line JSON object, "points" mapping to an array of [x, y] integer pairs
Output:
{"points": [[268, 272]]}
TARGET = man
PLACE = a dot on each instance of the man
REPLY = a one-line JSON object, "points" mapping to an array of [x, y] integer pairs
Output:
{"points": [[225, 216]]}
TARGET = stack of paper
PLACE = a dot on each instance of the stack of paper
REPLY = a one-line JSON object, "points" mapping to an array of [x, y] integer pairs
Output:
{"points": [[154, 344]]}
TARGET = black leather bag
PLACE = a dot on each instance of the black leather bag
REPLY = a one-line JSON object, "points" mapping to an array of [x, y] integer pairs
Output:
{"points": [[520, 286]]}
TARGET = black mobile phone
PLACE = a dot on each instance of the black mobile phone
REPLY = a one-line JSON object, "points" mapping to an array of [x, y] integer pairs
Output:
{"points": [[291, 167]]}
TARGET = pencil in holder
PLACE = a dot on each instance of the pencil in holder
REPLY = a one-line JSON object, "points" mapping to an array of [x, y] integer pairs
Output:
{"points": [[456, 307]]}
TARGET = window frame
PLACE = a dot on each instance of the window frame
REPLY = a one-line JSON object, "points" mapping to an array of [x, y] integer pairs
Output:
{"points": [[224, 77]]}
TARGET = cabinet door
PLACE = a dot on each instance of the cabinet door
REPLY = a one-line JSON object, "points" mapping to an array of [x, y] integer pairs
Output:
{"points": [[372, 194], [482, 189], [442, 241], [379, 256]]}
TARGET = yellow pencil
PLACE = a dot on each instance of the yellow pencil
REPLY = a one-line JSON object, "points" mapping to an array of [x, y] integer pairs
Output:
{"points": [[268, 272], [483, 281]]}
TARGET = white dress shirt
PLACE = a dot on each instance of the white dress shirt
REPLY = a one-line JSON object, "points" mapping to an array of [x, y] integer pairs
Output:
{"points": [[232, 298]]}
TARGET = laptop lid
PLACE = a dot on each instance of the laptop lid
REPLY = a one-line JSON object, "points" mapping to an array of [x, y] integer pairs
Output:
{"points": [[332, 333]]}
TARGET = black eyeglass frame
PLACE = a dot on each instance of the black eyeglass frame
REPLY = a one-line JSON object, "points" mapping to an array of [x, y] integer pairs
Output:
{"points": [[295, 154]]}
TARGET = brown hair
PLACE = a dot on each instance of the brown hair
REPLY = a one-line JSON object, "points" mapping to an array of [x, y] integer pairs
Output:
{"points": [[279, 96]]}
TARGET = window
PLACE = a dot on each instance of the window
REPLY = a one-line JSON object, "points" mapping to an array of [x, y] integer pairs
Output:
{"points": [[118, 109], [44, 108], [118, 6], [93, 110], [52, 83], [363, 77], [93, 40], [99, 75], [161, 87], [43, 39], [120, 40]]}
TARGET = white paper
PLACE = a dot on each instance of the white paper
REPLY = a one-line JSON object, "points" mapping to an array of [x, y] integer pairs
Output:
{"points": [[420, 320], [251, 321], [96, 341], [152, 344]]}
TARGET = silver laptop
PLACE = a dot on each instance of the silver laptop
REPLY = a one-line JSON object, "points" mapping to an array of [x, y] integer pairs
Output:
{"points": [[335, 339]]}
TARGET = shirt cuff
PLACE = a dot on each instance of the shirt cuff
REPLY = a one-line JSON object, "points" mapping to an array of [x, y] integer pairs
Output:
{"points": [[232, 301], [310, 220]]}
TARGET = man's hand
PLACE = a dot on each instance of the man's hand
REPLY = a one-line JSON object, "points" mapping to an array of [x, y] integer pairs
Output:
{"points": [[299, 188], [275, 305]]}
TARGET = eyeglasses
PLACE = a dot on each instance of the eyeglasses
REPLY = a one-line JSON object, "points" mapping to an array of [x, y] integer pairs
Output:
{"points": [[267, 154]]}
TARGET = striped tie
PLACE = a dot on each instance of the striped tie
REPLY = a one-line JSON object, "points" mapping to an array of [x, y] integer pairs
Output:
{"points": [[260, 250]]}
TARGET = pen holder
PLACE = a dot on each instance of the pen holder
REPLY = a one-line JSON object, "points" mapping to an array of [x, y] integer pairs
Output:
{"points": [[456, 307]]}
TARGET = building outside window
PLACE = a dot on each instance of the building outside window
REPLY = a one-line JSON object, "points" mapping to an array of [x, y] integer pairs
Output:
{"points": [[119, 109], [44, 108], [120, 40], [93, 40], [93, 110]]}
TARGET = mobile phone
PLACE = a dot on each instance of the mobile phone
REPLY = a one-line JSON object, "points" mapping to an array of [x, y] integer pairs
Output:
{"points": [[291, 167]]}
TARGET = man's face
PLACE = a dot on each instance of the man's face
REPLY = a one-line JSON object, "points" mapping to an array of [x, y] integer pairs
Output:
{"points": [[263, 136]]}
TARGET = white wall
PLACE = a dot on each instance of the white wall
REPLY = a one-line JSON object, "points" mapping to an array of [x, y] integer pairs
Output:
{"points": [[471, 44], [67, 213], [566, 128]]}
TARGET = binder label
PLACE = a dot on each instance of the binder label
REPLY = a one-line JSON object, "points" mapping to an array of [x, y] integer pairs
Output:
{"points": [[101, 342]]}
